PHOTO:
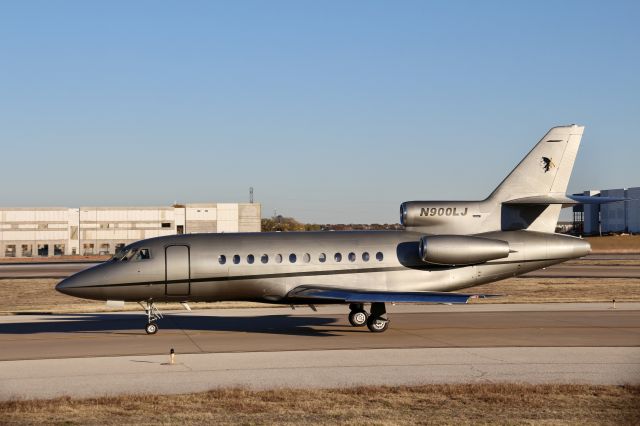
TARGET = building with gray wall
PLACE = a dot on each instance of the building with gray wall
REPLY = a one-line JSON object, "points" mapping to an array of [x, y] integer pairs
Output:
{"points": [[618, 217], [57, 231]]}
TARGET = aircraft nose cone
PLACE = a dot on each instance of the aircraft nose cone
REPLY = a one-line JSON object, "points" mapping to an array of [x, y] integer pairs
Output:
{"points": [[67, 286], [82, 284]]}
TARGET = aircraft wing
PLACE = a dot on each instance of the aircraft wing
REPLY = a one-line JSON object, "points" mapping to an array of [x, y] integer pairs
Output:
{"points": [[308, 294]]}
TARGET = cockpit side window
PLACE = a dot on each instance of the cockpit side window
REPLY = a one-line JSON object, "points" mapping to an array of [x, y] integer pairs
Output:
{"points": [[143, 254]]}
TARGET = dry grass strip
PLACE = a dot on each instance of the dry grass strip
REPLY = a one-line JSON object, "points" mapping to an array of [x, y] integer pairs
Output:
{"points": [[461, 404], [615, 244], [567, 290]]}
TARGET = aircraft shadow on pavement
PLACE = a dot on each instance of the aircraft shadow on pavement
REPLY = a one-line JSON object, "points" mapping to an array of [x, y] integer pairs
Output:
{"points": [[128, 323]]}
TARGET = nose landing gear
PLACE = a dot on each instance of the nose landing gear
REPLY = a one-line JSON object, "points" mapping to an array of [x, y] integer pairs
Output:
{"points": [[153, 315], [151, 328]]}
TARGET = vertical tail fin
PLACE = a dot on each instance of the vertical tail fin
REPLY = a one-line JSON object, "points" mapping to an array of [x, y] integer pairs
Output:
{"points": [[544, 172], [546, 169]]}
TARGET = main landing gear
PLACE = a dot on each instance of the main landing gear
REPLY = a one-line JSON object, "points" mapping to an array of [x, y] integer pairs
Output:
{"points": [[153, 315], [374, 321]]}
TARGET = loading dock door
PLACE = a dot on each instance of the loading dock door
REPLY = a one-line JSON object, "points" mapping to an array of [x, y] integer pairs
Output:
{"points": [[177, 271]]}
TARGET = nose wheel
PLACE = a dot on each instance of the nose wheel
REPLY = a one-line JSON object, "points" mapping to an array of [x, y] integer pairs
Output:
{"points": [[153, 315], [151, 328]]}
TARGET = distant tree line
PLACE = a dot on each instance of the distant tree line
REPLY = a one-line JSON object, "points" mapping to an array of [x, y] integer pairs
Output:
{"points": [[288, 224]]}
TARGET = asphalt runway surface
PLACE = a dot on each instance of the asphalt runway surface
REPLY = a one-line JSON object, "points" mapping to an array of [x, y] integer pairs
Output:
{"points": [[64, 269], [83, 355], [96, 354]]}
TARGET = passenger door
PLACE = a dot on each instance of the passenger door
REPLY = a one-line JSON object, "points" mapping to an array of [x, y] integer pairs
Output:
{"points": [[177, 271]]}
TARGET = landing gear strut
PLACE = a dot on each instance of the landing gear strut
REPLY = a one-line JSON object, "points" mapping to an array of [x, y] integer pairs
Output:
{"points": [[358, 316], [376, 322], [153, 315]]}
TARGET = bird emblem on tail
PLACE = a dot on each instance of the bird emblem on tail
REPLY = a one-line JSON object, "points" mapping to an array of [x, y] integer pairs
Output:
{"points": [[547, 164]]}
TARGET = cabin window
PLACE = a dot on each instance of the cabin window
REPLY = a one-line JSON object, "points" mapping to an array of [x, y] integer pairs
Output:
{"points": [[222, 259], [306, 258], [379, 256], [236, 258], [322, 257], [292, 258], [352, 257], [250, 259], [264, 258], [365, 256], [337, 257], [278, 258]]}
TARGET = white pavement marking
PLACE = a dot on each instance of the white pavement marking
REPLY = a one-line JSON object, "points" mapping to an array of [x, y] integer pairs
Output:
{"points": [[87, 377]]}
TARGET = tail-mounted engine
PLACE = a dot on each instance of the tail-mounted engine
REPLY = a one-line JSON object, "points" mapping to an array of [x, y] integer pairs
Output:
{"points": [[461, 249]]}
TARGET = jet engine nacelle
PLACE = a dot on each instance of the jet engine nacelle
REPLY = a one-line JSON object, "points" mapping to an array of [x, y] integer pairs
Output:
{"points": [[461, 249]]}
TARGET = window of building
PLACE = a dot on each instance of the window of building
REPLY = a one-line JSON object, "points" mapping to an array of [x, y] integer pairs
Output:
{"points": [[10, 251], [166, 224], [26, 250], [236, 258], [352, 257], [292, 258], [338, 257], [322, 257], [278, 258], [379, 256], [250, 259], [222, 259], [180, 229], [43, 249], [264, 258], [365, 256], [58, 249]]}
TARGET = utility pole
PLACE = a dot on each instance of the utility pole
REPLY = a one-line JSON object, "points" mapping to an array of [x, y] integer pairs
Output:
{"points": [[251, 194]]}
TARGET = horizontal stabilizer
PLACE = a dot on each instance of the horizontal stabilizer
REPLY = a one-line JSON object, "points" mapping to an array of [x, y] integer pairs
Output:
{"points": [[339, 295], [567, 200]]}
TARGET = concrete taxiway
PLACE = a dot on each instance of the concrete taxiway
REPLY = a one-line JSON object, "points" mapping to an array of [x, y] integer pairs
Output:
{"points": [[98, 354]]}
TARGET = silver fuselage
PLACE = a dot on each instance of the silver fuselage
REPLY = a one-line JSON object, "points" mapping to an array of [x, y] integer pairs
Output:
{"points": [[188, 267]]}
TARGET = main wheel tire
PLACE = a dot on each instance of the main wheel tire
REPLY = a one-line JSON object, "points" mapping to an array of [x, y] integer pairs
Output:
{"points": [[358, 318], [151, 328], [377, 324]]}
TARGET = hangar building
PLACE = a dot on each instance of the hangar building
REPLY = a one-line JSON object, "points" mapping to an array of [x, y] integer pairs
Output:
{"points": [[57, 231], [619, 217]]}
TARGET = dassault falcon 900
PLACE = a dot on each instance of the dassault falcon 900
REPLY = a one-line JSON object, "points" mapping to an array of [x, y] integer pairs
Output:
{"points": [[445, 246]]}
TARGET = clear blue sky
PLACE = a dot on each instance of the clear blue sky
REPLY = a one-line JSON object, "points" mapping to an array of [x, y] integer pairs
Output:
{"points": [[334, 111]]}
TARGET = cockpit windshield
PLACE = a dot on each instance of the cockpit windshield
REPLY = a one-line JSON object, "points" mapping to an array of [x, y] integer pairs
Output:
{"points": [[132, 254]]}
